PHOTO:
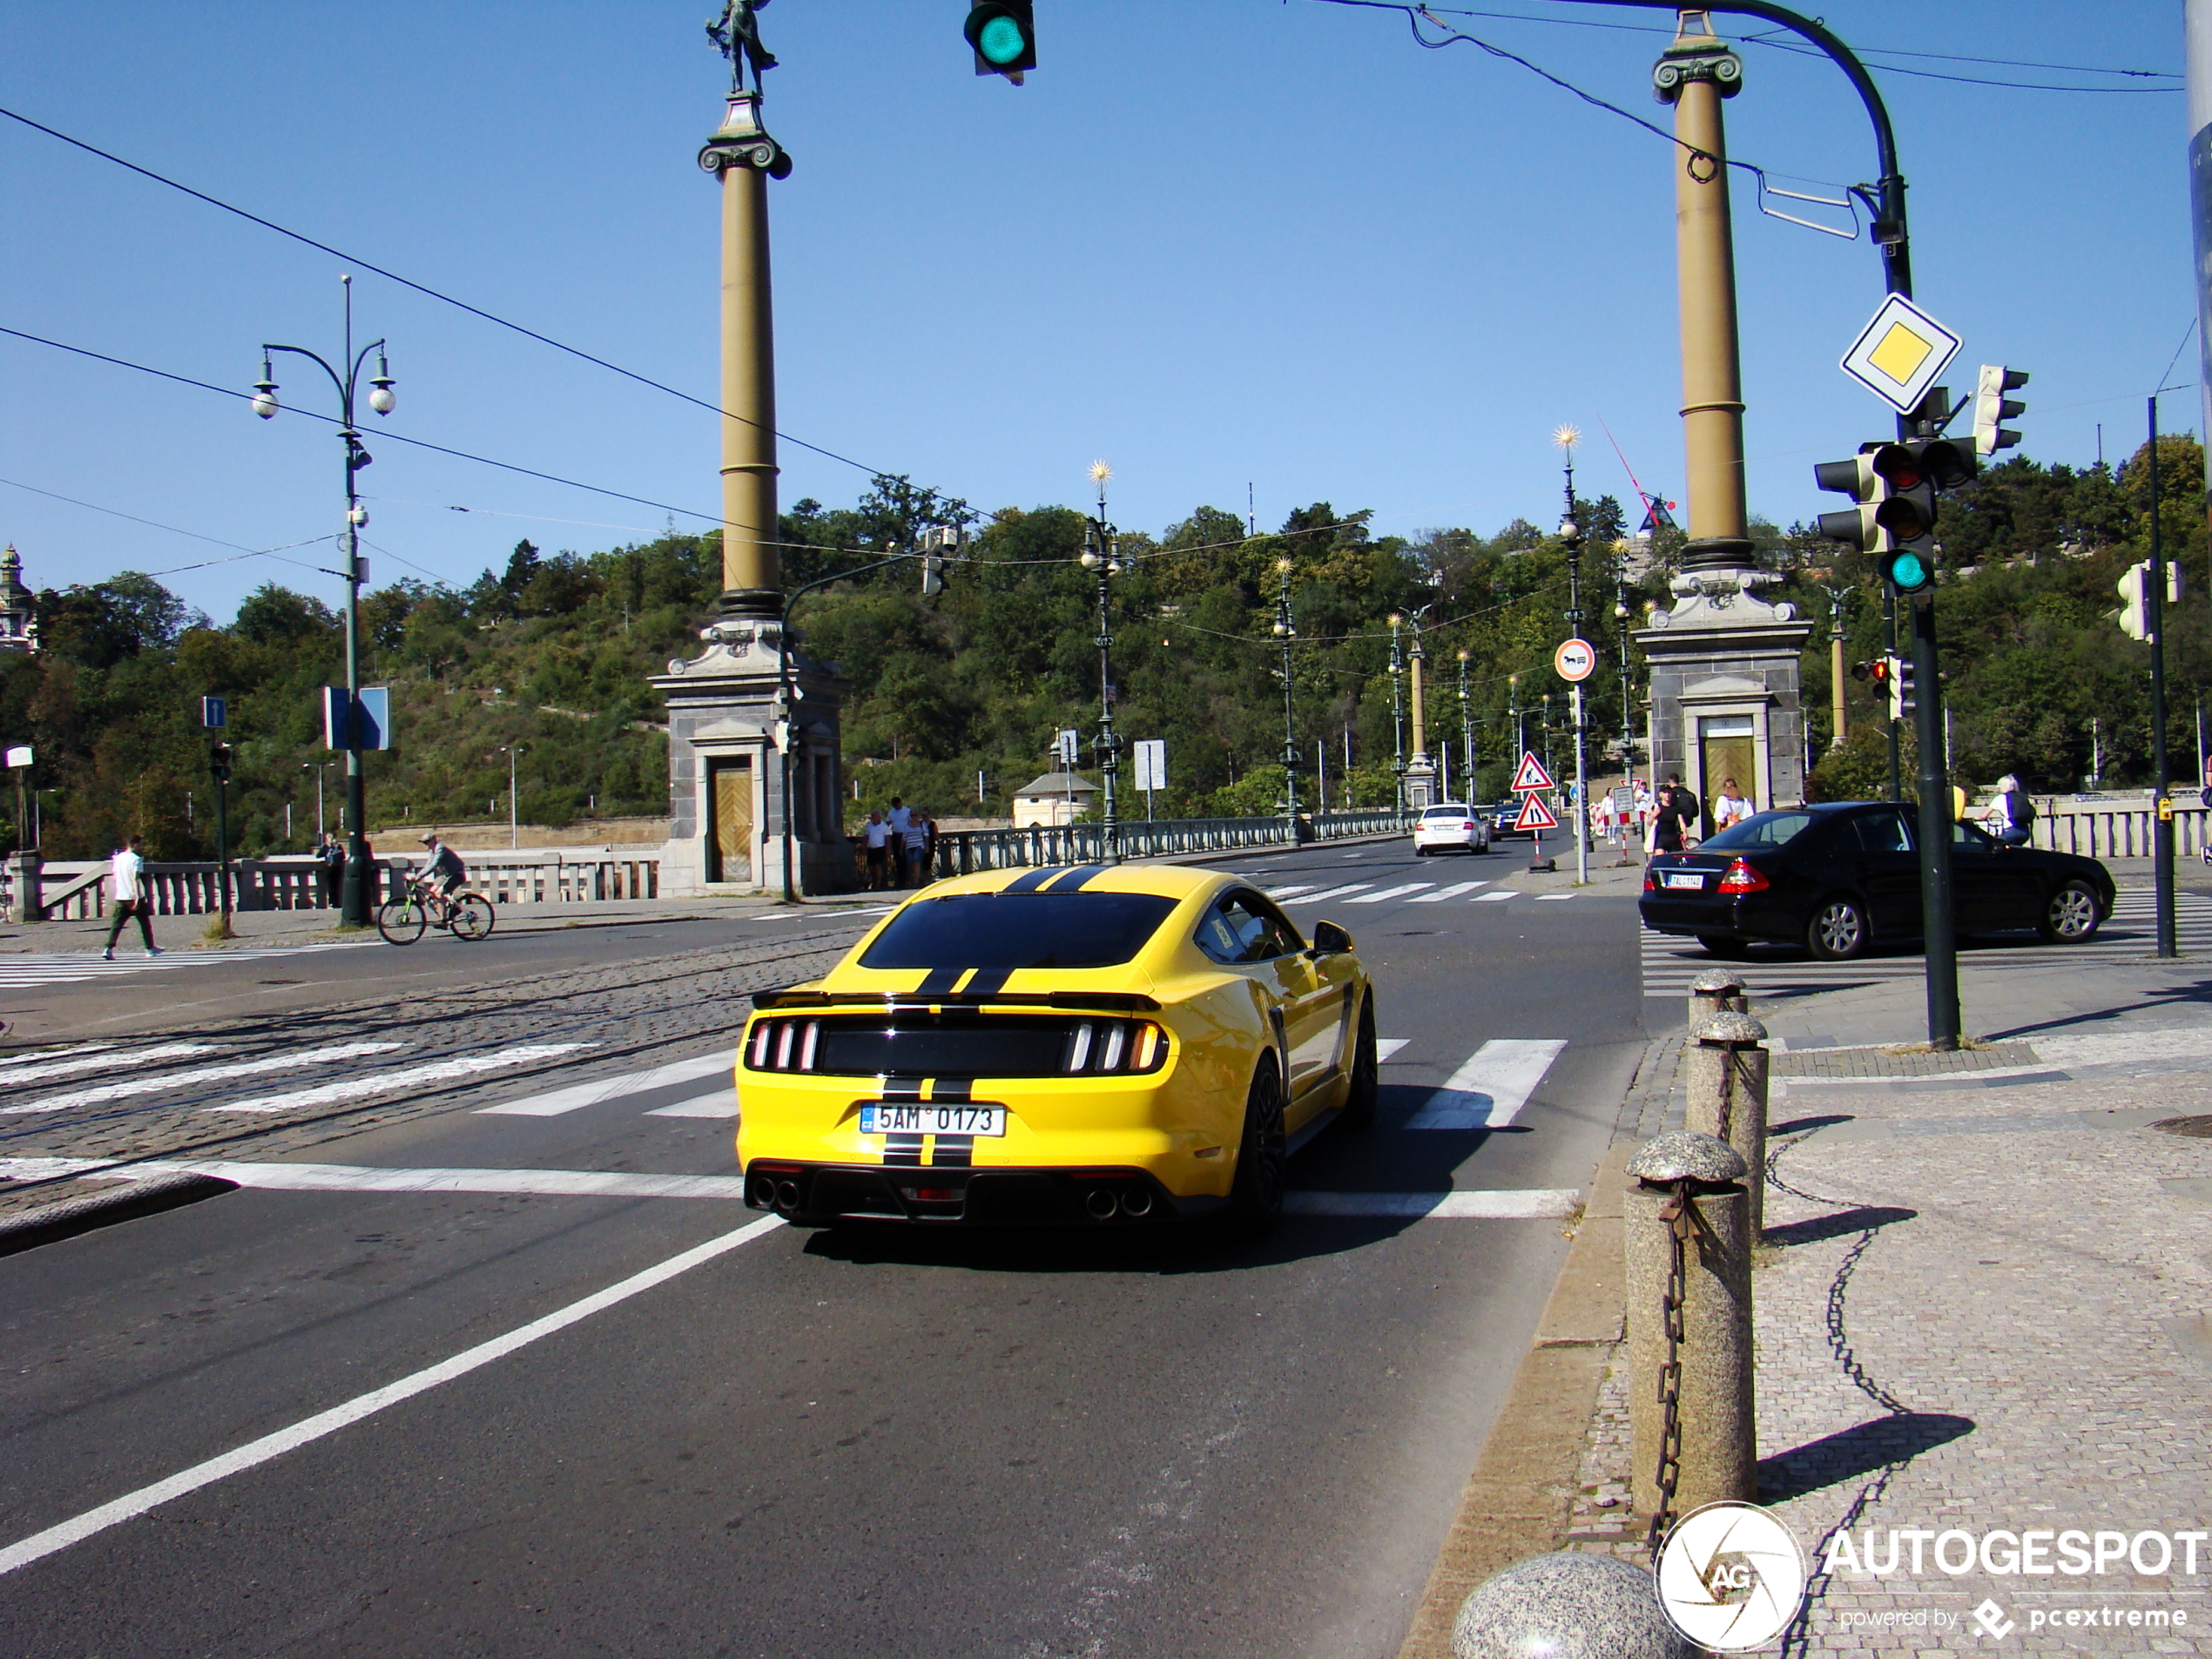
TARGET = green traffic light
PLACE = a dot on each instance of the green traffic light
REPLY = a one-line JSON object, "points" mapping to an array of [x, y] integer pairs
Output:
{"points": [[1000, 40], [1909, 572]]}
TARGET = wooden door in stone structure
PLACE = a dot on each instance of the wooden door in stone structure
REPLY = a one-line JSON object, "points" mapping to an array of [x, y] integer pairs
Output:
{"points": [[729, 835]]}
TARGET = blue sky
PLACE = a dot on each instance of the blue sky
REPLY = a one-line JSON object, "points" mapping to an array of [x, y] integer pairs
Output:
{"points": [[1211, 241]]}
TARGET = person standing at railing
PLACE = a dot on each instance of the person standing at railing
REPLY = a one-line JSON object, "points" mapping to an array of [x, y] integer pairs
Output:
{"points": [[127, 876], [877, 834], [917, 839], [330, 868]]}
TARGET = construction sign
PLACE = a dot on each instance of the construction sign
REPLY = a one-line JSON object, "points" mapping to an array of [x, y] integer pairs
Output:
{"points": [[1532, 775], [1535, 815]]}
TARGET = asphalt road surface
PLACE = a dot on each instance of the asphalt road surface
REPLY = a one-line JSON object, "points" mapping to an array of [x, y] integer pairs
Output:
{"points": [[442, 1379]]}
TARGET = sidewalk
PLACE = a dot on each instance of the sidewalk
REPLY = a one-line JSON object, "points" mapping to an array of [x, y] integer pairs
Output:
{"points": [[1982, 1311]]}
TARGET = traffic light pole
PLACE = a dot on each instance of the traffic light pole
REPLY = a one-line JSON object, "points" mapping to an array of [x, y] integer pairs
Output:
{"points": [[2162, 797], [1938, 910], [1889, 721]]}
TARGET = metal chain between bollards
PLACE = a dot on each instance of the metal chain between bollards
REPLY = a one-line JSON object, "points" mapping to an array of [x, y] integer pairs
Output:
{"points": [[1677, 1216]]}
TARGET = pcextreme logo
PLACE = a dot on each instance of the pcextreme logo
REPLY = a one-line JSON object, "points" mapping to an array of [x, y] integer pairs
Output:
{"points": [[1732, 1576]]}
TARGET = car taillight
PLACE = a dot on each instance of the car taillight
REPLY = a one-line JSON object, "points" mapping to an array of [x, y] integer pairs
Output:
{"points": [[1742, 878], [1650, 881], [1097, 1046], [784, 1045]]}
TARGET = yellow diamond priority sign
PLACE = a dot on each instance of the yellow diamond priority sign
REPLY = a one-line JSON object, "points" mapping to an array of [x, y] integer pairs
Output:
{"points": [[1898, 354]]}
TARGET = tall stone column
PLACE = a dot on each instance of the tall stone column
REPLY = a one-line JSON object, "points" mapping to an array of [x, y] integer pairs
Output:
{"points": [[1421, 771], [1726, 678], [753, 723]]}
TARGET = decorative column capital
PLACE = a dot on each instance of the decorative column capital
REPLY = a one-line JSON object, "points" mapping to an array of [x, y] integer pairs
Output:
{"points": [[742, 141], [1696, 58]]}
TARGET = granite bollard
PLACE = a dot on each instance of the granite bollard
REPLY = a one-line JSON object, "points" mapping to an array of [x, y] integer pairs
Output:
{"points": [[1571, 1605], [1717, 991], [1725, 1082]]}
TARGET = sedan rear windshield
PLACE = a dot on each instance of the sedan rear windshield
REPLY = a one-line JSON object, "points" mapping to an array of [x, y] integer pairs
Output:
{"points": [[1445, 812], [1761, 829], [1011, 930]]}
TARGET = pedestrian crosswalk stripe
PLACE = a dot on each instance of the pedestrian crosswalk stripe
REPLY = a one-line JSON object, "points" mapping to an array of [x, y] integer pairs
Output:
{"points": [[385, 1082], [1391, 892], [199, 1075], [1458, 889], [25, 972], [1285, 892], [723, 1063], [1541, 897], [1669, 961], [1386, 1047], [1332, 892], [1501, 895], [103, 1057], [1491, 1086], [723, 1103]]}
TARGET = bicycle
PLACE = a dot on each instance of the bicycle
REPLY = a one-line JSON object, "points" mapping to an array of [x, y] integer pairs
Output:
{"points": [[466, 915]]}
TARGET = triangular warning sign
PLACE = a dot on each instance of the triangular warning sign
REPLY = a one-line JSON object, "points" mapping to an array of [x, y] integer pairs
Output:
{"points": [[1535, 815], [1532, 775]]}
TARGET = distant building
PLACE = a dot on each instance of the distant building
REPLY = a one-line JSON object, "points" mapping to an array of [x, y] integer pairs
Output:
{"points": [[1056, 797], [18, 609]]}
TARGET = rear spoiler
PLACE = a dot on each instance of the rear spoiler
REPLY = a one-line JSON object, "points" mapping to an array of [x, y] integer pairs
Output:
{"points": [[1091, 1001]]}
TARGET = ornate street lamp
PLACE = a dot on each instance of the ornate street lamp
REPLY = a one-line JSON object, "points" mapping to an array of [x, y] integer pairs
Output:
{"points": [[1286, 630], [354, 899], [1398, 708], [1466, 730], [1101, 555]]}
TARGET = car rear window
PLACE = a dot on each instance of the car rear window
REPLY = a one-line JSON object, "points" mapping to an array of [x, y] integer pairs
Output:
{"points": [[1012, 930], [1445, 812], [1761, 829]]}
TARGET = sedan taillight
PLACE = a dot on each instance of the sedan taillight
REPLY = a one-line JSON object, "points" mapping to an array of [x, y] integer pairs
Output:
{"points": [[784, 1045], [1743, 878], [1097, 1046], [1650, 881]]}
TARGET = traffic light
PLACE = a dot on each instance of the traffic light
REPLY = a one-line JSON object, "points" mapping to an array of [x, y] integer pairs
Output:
{"points": [[1992, 408], [1004, 35], [219, 757], [1902, 701], [2135, 592], [1857, 479], [1895, 485]]}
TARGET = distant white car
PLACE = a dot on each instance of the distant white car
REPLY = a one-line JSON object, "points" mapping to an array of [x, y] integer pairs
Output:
{"points": [[1454, 828]]}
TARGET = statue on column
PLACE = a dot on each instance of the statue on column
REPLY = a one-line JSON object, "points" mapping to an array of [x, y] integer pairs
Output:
{"points": [[736, 33]]}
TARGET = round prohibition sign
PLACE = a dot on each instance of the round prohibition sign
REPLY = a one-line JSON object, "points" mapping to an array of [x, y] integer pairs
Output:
{"points": [[1576, 661]]}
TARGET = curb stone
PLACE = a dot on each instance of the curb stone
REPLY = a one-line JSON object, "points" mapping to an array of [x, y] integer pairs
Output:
{"points": [[51, 1222]]}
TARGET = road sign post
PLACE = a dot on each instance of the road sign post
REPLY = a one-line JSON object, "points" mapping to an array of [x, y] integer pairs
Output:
{"points": [[1529, 781]]}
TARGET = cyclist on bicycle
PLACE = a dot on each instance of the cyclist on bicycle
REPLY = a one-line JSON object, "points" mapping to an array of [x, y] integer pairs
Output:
{"points": [[445, 871]]}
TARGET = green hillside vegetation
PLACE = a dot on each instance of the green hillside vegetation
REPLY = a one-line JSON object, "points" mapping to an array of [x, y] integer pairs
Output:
{"points": [[552, 652]]}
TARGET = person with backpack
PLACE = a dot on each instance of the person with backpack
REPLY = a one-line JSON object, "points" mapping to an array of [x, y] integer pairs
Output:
{"points": [[2016, 813], [1676, 810]]}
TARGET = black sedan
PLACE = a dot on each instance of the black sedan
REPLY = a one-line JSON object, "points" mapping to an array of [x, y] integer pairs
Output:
{"points": [[1840, 877]]}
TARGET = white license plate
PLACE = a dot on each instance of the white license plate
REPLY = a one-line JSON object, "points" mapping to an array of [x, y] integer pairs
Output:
{"points": [[884, 1119], [1674, 879]]}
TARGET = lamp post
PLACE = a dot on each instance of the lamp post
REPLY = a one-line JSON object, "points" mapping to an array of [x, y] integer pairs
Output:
{"points": [[514, 830], [1520, 732], [1466, 731], [1102, 556], [1421, 772], [353, 901], [1286, 630], [1398, 708], [1571, 533]]}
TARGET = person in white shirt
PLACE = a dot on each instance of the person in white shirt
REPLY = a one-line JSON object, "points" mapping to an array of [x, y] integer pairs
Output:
{"points": [[127, 876], [1729, 807], [878, 836]]}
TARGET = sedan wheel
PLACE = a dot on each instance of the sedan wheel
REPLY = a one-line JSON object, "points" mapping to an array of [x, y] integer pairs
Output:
{"points": [[1256, 1197], [2071, 914], [1838, 931]]}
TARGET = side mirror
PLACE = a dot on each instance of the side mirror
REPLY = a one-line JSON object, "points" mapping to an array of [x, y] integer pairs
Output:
{"points": [[1329, 939]]}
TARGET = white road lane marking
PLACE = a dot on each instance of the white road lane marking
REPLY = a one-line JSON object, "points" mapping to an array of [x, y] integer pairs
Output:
{"points": [[362, 1178], [97, 1059], [200, 1076], [384, 1082], [1386, 1047], [1538, 1203], [1493, 897], [578, 1096], [1489, 1089], [1392, 893], [1456, 890], [1541, 897], [1332, 892], [723, 1103], [255, 1453], [28, 970], [39, 1057], [1284, 893]]}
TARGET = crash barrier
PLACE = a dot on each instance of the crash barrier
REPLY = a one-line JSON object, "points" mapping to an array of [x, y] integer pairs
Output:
{"points": [[1725, 1072], [2118, 832], [1570, 1605], [76, 891], [1686, 1238], [965, 851]]}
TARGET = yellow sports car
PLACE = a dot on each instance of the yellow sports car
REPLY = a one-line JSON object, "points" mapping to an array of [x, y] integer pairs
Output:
{"points": [[1095, 1044]]}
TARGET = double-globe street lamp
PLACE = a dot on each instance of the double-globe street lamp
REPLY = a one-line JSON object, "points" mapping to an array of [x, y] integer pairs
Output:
{"points": [[1286, 630], [353, 898], [1101, 556]]}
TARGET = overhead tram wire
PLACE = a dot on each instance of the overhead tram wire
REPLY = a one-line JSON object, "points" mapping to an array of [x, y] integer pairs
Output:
{"points": [[243, 552], [426, 290]]}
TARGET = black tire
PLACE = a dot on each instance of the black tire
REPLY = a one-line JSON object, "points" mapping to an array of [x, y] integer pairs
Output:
{"points": [[1360, 1100], [2072, 915], [1726, 947], [401, 921], [1839, 930], [472, 916], [1256, 1194]]}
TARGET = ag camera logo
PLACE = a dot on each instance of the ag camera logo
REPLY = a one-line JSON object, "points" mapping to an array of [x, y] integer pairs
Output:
{"points": [[1731, 1577]]}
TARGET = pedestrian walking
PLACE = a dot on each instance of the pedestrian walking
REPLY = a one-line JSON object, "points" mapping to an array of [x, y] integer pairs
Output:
{"points": [[1674, 810], [896, 821], [877, 835], [916, 841], [127, 878]]}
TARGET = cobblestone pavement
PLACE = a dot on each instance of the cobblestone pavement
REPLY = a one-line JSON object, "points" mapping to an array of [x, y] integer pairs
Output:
{"points": [[171, 1095], [1981, 1307]]}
